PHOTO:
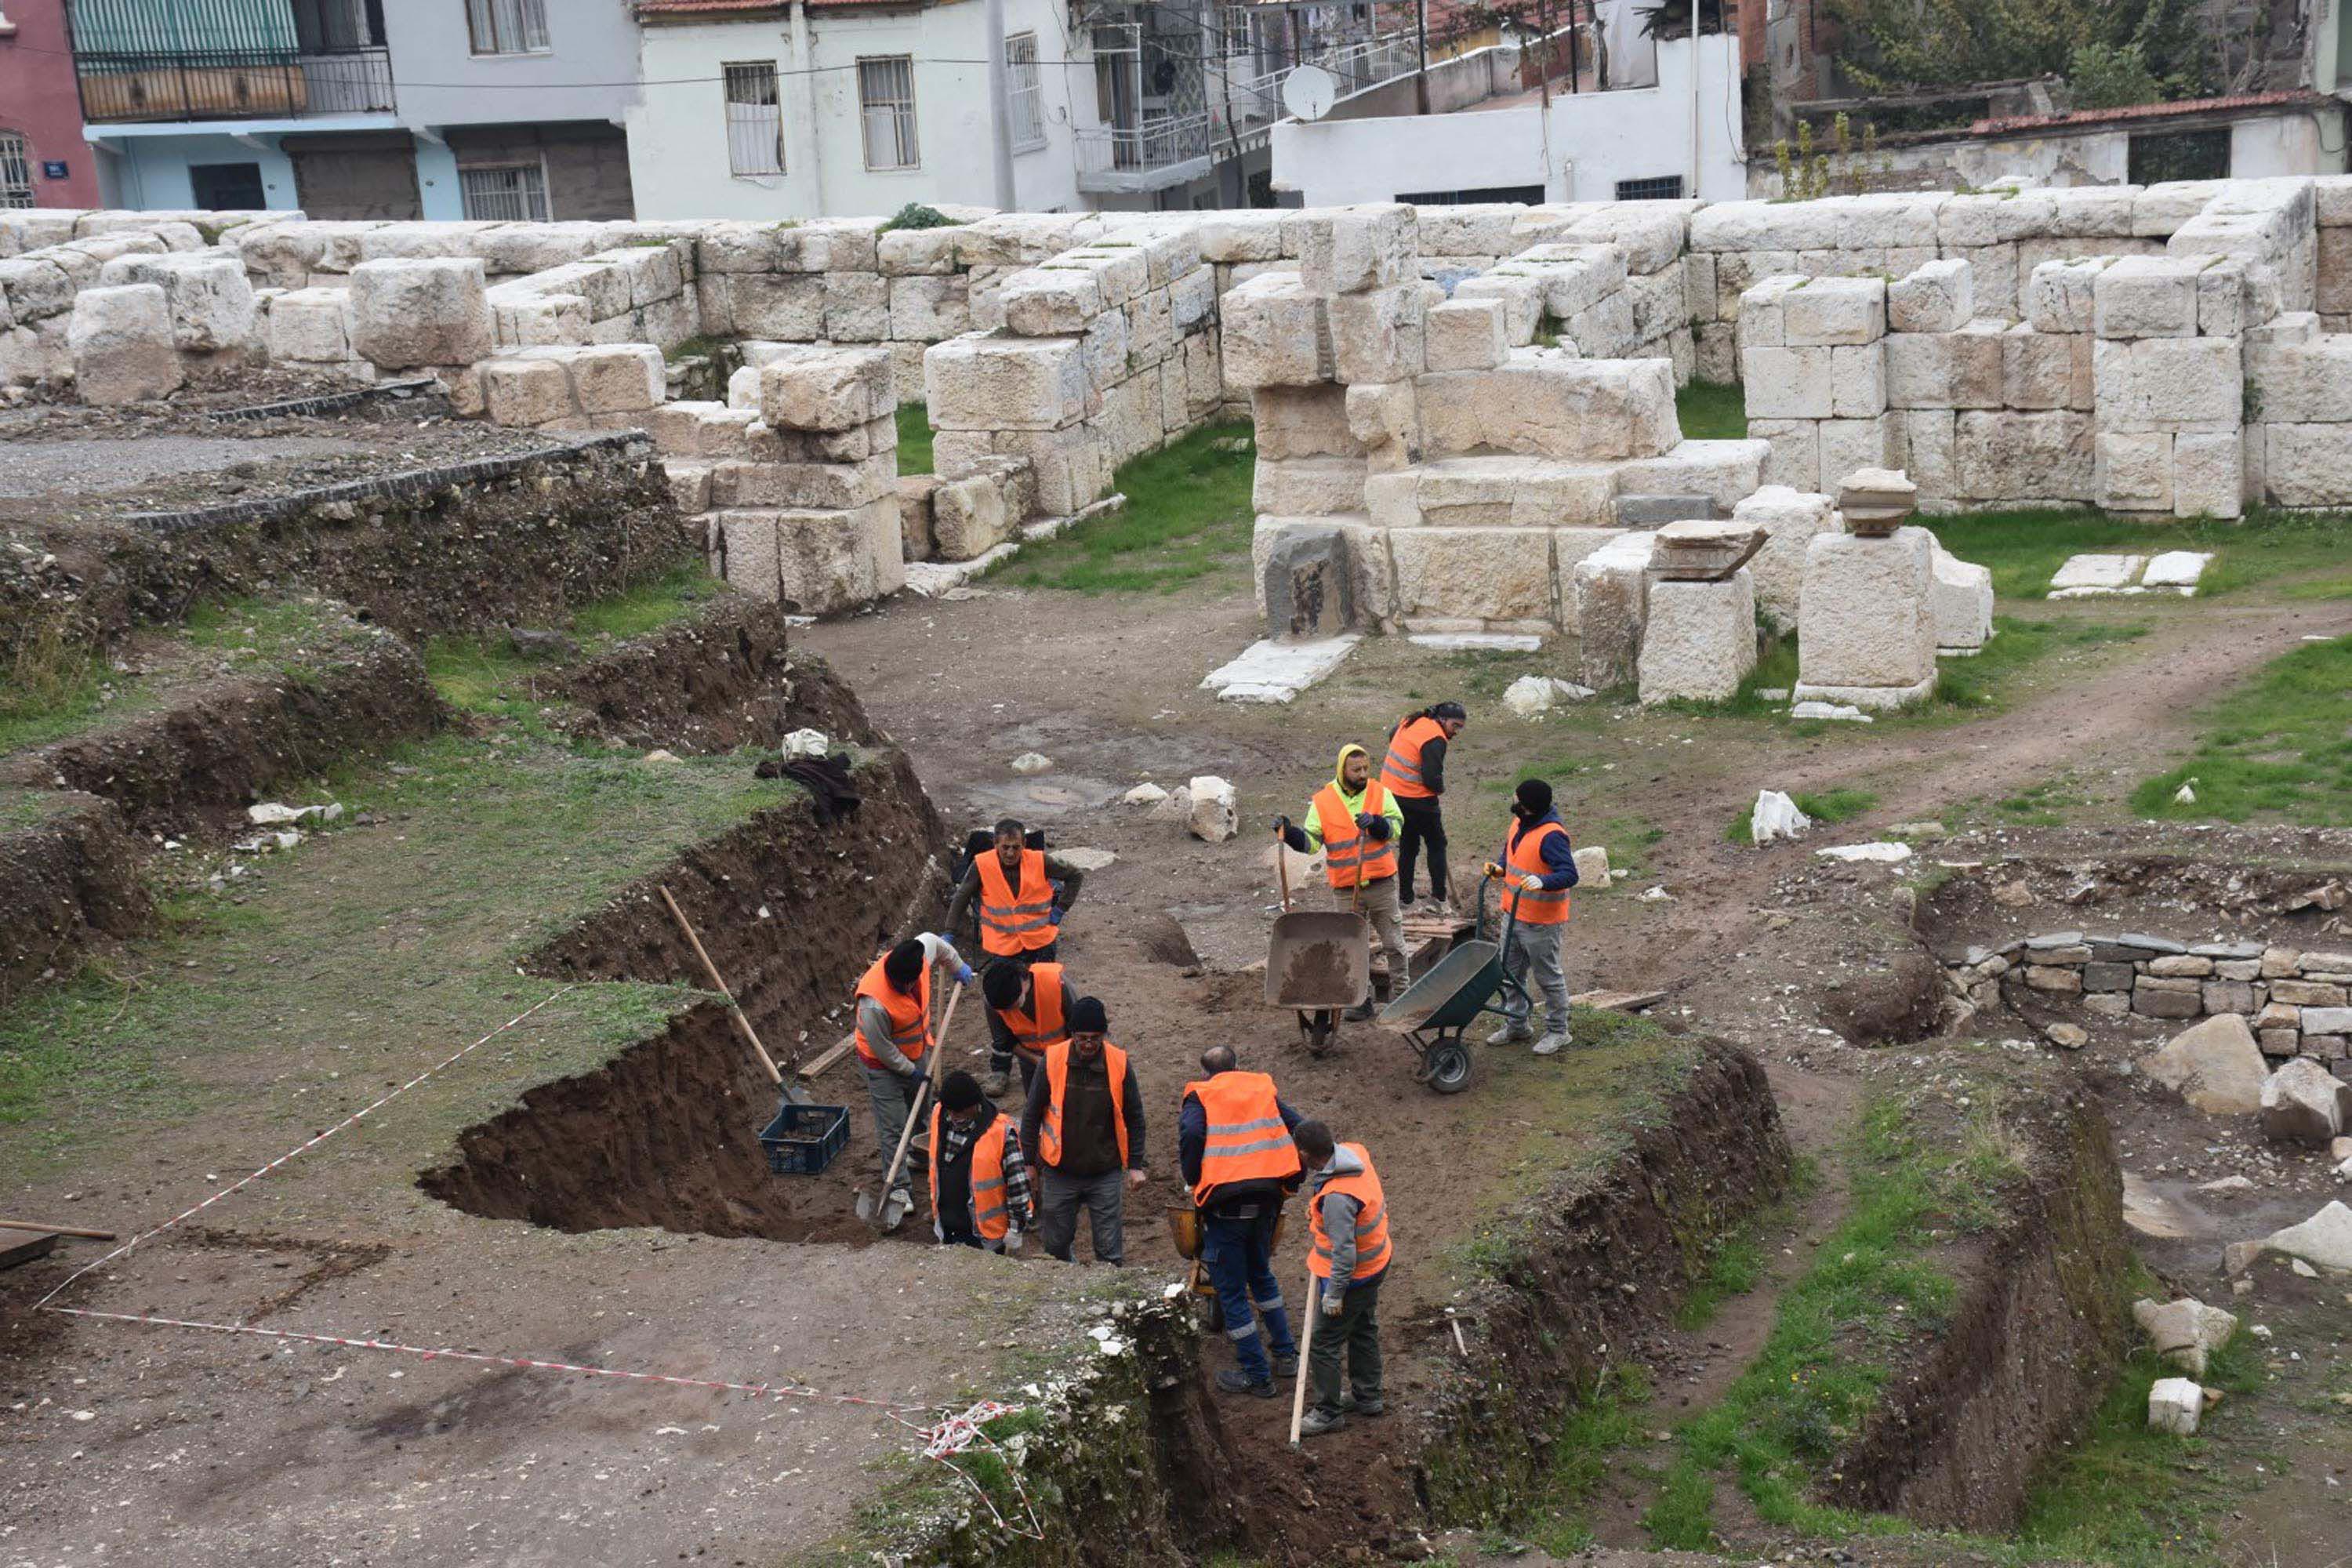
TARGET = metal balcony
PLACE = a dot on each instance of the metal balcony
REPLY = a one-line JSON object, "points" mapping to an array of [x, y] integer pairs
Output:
{"points": [[233, 84]]}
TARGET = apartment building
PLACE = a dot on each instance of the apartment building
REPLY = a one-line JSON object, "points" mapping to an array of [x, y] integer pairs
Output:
{"points": [[44, 162]]}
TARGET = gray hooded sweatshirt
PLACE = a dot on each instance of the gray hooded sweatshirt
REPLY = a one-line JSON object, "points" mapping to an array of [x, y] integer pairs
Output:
{"points": [[1339, 1210]]}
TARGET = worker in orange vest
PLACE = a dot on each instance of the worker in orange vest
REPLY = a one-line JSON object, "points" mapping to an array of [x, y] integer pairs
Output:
{"points": [[1232, 1143], [980, 1183], [1028, 1011], [894, 1031], [1022, 895], [1355, 821], [1083, 1131], [1349, 1255], [1537, 869], [1414, 772]]}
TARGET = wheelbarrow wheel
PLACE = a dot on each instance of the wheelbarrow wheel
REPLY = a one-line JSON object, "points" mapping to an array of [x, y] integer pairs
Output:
{"points": [[1318, 1027], [1448, 1066]]}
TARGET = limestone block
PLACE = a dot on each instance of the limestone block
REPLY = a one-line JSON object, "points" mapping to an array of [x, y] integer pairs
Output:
{"points": [[1521, 296], [723, 432], [2302, 382], [1959, 600], [2216, 1067], [1068, 466], [2091, 212], [1606, 596], [1541, 403], [1858, 380], [988, 381], [1716, 354], [741, 547], [526, 391], [1652, 235], [1699, 642], [33, 287], [2061, 296], [120, 340], [857, 307], [1276, 332], [1050, 301], [1835, 310], [2023, 457], [611, 378], [1575, 278], [1699, 286], [1946, 370], [2221, 300], [689, 485], [1385, 420], [783, 306], [2145, 297], [1723, 471], [310, 325], [1792, 451], [1938, 298], [1787, 382], [1151, 330], [1377, 334], [1345, 250], [1789, 519], [910, 252], [1848, 445], [1303, 422], [1865, 619], [2168, 384], [1993, 217], [420, 312], [1307, 487], [1240, 236], [2175, 1406], [1476, 228], [1491, 491], [2308, 465], [1192, 300], [1737, 272], [520, 318], [1104, 348], [968, 518], [2208, 475], [2158, 210], [1128, 423], [1762, 311], [211, 299], [2332, 289], [823, 486], [1495, 576], [1465, 335], [2046, 369], [1365, 550], [929, 309], [2134, 472], [831, 561], [1605, 330]]}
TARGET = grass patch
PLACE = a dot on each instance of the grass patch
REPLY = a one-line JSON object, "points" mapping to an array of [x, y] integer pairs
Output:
{"points": [[1736, 1260], [1829, 806], [1712, 411], [2023, 548], [1586, 1448], [1871, 1295], [1971, 686], [650, 605], [484, 673], [1187, 516], [914, 438], [2278, 748], [696, 347]]}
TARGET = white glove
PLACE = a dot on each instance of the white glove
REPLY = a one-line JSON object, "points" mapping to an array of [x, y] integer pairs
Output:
{"points": [[1531, 884]]}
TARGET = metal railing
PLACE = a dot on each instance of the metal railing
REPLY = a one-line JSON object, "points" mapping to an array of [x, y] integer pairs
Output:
{"points": [[233, 84], [1154, 144]]}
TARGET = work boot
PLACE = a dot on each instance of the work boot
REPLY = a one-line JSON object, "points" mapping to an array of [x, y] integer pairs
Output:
{"points": [[1510, 1032], [1360, 1405], [1286, 1365], [1233, 1380], [1362, 1011], [1552, 1044], [995, 1084], [1318, 1421]]}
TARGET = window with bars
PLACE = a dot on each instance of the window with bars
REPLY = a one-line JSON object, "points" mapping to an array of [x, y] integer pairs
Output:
{"points": [[508, 27], [755, 119], [16, 171], [886, 95], [1664, 188], [504, 193], [1024, 93]]}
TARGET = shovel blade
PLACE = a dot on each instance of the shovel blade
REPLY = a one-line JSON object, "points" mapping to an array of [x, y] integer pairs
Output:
{"points": [[884, 1214]]}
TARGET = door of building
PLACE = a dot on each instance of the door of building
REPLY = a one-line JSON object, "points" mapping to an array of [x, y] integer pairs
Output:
{"points": [[227, 187], [356, 176]]}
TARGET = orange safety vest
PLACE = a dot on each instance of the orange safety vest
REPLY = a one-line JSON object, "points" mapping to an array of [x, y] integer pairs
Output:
{"points": [[1400, 770], [910, 1016], [1248, 1140], [1010, 923], [1371, 1220], [1348, 855], [1057, 1080], [1525, 858], [1042, 1026], [988, 1216]]}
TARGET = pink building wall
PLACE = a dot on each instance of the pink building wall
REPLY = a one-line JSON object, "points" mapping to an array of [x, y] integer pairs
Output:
{"points": [[39, 100]]}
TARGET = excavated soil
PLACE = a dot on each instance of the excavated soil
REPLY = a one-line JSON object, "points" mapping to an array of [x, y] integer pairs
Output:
{"points": [[718, 679], [70, 883]]}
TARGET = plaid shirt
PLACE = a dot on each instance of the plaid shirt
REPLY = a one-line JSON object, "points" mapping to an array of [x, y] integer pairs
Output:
{"points": [[1018, 1203]]}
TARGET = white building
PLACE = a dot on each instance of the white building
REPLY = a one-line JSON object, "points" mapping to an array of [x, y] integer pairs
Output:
{"points": [[823, 107]]}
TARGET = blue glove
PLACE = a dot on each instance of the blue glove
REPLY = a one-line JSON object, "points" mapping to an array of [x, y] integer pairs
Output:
{"points": [[963, 974], [1367, 821], [1054, 918]]}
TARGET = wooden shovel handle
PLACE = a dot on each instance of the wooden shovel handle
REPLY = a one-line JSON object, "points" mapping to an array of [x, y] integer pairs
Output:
{"points": [[34, 1225], [923, 1095], [1305, 1346], [733, 1009]]}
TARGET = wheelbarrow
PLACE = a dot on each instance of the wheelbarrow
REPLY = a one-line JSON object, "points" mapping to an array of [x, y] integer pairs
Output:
{"points": [[1319, 962], [1437, 1009]]}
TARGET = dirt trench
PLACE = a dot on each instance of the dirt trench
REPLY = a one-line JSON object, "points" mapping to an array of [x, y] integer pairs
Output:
{"points": [[718, 679], [69, 882]]}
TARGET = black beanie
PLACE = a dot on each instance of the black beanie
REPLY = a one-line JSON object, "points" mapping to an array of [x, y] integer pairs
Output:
{"points": [[960, 1091], [905, 964], [1001, 982], [1087, 1016], [1534, 796], [1448, 710]]}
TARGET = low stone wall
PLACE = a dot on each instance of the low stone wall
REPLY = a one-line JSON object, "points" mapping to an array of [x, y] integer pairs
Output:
{"points": [[2299, 1004]]}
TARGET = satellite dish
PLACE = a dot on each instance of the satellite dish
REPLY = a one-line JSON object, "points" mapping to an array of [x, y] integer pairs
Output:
{"points": [[1308, 92]]}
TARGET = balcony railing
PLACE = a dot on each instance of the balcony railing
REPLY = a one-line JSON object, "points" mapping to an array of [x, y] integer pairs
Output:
{"points": [[1156, 145], [224, 84]]}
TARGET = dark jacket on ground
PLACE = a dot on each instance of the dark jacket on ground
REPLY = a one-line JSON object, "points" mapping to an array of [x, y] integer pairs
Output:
{"points": [[1192, 1141], [1089, 1138]]}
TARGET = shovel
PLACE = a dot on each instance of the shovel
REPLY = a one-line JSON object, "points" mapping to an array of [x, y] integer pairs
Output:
{"points": [[793, 1093], [890, 1211]]}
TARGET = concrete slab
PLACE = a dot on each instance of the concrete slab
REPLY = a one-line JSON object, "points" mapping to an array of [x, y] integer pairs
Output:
{"points": [[1278, 671]]}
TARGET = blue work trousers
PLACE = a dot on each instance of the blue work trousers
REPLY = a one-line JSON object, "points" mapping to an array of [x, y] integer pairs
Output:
{"points": [[1239, 1255]]}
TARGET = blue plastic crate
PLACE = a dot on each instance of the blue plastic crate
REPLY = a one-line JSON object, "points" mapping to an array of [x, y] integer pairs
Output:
{"points": [[803, 1139]]}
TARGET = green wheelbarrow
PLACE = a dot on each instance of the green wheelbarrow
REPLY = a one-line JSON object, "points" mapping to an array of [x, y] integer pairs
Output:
{"points": [[1437, 1009]]}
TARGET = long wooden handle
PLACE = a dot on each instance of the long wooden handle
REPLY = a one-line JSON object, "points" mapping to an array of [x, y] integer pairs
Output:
{"points": [[1306, 1347], [56, 1229], [734, 1010], [924, 1094], [1282, 867]]}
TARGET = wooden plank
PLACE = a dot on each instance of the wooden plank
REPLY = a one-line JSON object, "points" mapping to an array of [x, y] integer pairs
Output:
{"points": [[1617, 1001], [24, 1246], [815, 1067]]}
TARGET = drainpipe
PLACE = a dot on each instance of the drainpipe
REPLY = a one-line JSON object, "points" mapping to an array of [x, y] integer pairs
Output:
{"points": [[801, 51], [1692, 192], [1000, 114], [1421, 82]]}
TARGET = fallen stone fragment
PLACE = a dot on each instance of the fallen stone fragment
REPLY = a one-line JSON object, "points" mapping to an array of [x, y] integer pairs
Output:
{"points": [[659, 754], [1592, 867], [2185, 1332], [2216, 1067], [1776, 816], [2304, 1103], [1085, 860], [2325, 1238], [1881, 853], [2174, 1406], [2068, 1037], [1145, 795], [1842, 712], [1533, 694], [1214, 811], [1032, 762]]}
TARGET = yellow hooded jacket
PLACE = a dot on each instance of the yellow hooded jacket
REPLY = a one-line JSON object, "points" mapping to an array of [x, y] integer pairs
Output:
{"points": [[1312, 822]]}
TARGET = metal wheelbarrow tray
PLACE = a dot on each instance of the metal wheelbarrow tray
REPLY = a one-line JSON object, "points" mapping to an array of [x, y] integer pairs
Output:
{"points": [[1319, 963], [1436, 1009]]}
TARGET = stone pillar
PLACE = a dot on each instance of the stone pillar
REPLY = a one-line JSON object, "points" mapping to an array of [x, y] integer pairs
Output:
{"points": [[1866, 627]]}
